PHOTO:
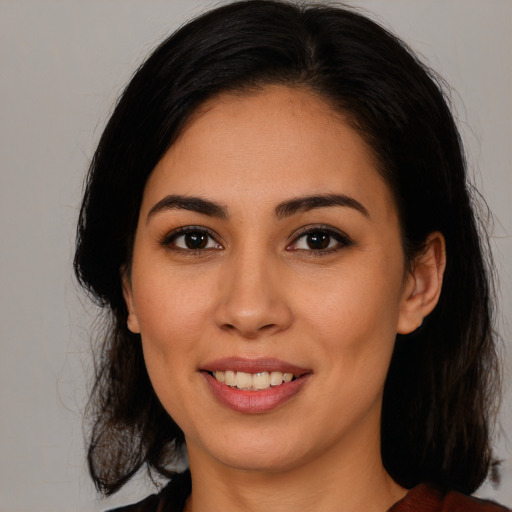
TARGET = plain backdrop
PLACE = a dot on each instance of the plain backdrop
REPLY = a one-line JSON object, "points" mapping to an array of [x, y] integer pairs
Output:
{"points": [[62, 65]]}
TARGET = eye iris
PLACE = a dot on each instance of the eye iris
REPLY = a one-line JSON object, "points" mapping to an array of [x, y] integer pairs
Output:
{"points": [[196, 240], [318, 240]]}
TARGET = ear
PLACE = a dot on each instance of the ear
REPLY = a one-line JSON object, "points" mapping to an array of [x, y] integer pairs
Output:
{"points": [[132, 322], [423, 284]]}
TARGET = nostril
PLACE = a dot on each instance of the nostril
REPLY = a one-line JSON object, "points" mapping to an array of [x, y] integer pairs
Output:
{"points": [[252, 319], [249, 331]]}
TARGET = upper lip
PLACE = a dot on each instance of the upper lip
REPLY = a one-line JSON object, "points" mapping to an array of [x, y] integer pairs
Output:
{"points": [[258, 365]]}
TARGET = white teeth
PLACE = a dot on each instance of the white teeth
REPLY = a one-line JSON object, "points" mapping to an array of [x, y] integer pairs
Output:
{"points": [[261, 380], [276, 378], [243, 380], [252, 381], [229, 378]]}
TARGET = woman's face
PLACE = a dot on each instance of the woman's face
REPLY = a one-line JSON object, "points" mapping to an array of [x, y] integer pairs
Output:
{"points": [[268, 248]]}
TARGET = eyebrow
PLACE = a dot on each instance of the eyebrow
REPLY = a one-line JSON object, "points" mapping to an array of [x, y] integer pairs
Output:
{"points": [[194, 204], [306, 203], [284, 209]]}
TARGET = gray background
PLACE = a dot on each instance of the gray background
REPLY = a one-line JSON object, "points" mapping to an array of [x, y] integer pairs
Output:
{"points": [[62, 64]]}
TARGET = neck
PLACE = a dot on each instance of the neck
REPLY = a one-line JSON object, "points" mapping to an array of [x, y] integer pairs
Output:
{"points": [[340, 480]]}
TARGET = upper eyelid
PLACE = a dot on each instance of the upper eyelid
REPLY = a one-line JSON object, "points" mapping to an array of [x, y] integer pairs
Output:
{"points": [[317, 227], [342, 239], [183, 230]]}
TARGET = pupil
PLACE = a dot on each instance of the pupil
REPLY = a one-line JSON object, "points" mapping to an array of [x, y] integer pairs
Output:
{"points": [[196, 240], [318, 241]]}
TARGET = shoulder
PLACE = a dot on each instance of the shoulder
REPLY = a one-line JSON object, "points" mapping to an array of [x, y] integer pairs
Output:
{"points": [[459, 502], [426, 498], [171, 498]]}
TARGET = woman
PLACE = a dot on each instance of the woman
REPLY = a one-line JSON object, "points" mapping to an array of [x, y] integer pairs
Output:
{"points": [[278, 222]]}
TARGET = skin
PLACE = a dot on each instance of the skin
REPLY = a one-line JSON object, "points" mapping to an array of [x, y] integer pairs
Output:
{"points": [[258, 290]]}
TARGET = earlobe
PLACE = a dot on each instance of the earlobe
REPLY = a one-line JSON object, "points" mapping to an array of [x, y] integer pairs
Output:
{"points": [[132, 321], [423, 284]]}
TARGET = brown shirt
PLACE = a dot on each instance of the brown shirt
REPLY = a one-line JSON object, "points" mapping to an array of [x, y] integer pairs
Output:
{"points": [[422, 498], [425, 498]]}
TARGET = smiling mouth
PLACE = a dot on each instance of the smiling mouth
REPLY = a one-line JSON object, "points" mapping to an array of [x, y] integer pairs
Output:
{"points": [[252, 381], [254, 386]]}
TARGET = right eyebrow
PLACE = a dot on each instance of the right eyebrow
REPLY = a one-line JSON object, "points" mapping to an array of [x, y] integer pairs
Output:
{"points": [[306, 203], [191, 203]]}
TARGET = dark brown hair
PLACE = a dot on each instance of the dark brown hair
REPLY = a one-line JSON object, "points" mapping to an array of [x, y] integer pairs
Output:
{"points": [[442, 386]]}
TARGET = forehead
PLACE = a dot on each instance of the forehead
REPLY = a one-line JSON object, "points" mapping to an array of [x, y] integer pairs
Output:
{"points": [[279, 115], [269, 143]]}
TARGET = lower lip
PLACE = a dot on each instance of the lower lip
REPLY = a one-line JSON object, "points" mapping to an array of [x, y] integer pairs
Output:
{"points": [[254, 402]]}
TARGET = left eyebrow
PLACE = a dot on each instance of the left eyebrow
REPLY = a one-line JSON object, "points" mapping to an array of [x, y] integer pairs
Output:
{"points": [[191, 203], [306, 203]]}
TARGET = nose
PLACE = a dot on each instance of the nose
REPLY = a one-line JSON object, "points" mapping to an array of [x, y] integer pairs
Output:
{"points": [[252, 299]]}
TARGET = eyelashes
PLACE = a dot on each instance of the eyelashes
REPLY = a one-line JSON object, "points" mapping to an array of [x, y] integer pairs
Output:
{"points": [[319, 240], [191, 239], [313, 240]]}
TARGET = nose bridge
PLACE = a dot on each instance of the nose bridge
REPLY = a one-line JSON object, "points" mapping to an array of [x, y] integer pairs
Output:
{"points": [[252, 301]]}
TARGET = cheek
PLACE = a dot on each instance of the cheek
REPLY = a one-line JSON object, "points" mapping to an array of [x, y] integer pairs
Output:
{"points": [[171, 319], [353, 317], [171, 308], [352, 303], [172, 315]]}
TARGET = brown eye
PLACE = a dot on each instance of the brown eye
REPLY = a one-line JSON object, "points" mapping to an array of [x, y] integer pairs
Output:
{"points": [[318, 241], [196, 240], [191, 239]]}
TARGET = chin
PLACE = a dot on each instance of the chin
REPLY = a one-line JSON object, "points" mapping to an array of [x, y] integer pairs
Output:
{"points": [[258, 452], [261, 462]]}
